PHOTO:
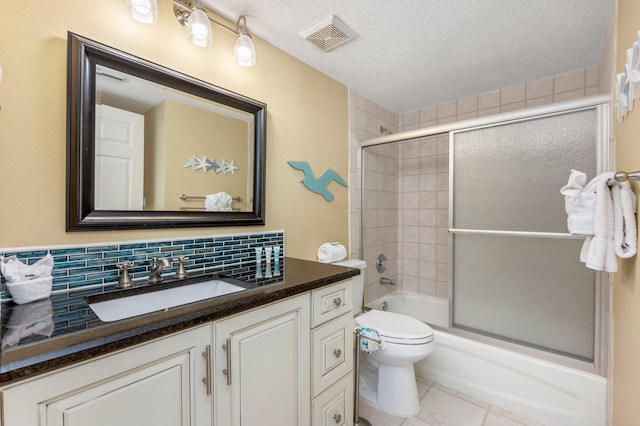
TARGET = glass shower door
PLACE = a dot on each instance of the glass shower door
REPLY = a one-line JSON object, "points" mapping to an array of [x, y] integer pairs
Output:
{"points": [[516, 274]]}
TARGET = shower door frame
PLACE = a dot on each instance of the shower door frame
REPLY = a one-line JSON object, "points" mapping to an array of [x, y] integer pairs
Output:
{"points": [[604, 163]]}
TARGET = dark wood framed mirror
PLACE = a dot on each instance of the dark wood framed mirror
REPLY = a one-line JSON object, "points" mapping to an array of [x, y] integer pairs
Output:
{"points": [[183, 146]]}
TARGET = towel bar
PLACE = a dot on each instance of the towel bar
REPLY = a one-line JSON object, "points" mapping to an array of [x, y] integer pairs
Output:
{"points": [[184, 197], [203, 209], [624, 176]]}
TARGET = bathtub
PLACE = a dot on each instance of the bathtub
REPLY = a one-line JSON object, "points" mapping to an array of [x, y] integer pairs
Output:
{"points": [[545, 392]]}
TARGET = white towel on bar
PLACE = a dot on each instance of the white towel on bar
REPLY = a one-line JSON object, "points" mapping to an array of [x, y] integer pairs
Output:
{"points": [[625, 232], [218, 202], [614, 222], [598, 251], [579, 202]]}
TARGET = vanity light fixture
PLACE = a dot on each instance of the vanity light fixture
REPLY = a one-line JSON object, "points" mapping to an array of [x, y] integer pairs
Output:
{"points": [[145, 11], [245, 51], [195, 18], [199, 27]]}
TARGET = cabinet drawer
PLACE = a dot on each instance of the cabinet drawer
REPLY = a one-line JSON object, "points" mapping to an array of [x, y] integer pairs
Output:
{"points": [[330, 302], [332, 352], [335, 406]]}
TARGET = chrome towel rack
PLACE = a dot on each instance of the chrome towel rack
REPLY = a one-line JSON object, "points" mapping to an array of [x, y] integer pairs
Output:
{"points": [[203, 209], [624, 176], [184, 197]]}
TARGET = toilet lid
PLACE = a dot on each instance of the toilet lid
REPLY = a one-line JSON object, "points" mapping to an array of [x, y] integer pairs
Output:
{"points": [[396, 328]]}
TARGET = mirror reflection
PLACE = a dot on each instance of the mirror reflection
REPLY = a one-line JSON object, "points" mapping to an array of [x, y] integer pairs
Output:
{"points": [[157, 148], [150, 147]]}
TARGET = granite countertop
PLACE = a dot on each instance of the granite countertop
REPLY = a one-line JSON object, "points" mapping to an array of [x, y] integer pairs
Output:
{"points": [[41, 336]]}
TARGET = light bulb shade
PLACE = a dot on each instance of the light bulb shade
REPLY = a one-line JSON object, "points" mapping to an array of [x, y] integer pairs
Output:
{"points": [[200, 28], [145, 11], [244, 50]]}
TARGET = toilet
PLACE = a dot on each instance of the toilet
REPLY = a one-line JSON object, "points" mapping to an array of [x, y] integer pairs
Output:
{"points": [[387, 378]]}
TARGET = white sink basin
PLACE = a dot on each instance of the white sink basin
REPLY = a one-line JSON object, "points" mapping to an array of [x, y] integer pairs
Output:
{"points": [[130, 306]]}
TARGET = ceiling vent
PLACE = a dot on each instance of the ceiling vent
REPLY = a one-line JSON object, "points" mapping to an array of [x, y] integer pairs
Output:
{"points": [[328, 34]]}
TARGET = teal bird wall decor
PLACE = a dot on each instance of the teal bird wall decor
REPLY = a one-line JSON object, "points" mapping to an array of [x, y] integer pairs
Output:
{"points": [[317, 185]]}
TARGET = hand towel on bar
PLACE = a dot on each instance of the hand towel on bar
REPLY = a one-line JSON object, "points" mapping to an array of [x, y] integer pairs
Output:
{"points": [[625, 231], [598, 252], [579, 202], [370, 340], [331, 252], [219, 202], [614, 223]]}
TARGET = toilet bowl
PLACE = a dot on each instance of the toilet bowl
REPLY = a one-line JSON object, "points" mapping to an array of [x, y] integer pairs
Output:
{"points": [[387, 378]]}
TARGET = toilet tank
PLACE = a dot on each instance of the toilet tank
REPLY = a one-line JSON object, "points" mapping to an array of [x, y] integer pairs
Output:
{"points": [[358, 282]]}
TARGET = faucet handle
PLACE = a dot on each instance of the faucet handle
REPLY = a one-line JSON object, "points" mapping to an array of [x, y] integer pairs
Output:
{"points": [[181, 272], [125, 280], [163, 260]]}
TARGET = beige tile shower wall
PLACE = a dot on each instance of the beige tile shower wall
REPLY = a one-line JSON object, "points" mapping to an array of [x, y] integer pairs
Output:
{"points": [[423, 199], [561, 87], [380, 219], [366, 119]]}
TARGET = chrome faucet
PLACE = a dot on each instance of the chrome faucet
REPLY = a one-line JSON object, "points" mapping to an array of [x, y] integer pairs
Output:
{"points": [[125, 280], [181, 272], [387, 281], [155, 273]]}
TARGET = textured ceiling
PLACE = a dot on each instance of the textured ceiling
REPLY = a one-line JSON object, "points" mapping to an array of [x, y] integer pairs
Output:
{"points": [[410, 54]]}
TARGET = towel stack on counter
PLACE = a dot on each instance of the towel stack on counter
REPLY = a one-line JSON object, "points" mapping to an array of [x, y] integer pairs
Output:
{"points": [[604, 211]]}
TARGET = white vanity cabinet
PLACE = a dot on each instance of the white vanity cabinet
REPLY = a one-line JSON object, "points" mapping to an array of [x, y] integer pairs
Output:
{"points": [[332, 355], [156, 383], [288, 363], [261, 361]]}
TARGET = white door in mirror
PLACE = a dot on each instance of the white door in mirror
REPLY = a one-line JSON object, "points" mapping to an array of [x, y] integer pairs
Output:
{"points": [[119, 159]]}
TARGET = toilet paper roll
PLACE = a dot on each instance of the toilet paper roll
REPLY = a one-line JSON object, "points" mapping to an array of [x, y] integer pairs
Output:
{"points": [[331, 252]]}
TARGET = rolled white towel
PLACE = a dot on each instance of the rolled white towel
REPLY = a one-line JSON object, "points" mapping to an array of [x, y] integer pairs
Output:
{"points": [[370, 340], [331, 252]]}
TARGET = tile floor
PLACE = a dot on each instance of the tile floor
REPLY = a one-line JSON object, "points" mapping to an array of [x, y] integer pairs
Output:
{"points": [[443, 406]]}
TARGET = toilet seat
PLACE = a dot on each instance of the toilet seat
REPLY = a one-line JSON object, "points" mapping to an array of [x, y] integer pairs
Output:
{"points": [[396, 328]]}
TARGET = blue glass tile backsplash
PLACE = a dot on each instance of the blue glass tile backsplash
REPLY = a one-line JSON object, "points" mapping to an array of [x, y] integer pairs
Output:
{"points": [[78, 267]]}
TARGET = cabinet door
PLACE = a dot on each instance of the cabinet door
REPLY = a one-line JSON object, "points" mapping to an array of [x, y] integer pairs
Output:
{"points": [[262, 366], [158, 383]]}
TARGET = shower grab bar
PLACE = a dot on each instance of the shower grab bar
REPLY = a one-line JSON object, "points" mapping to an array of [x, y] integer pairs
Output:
{"points": [[624, 176], [184, 197]]}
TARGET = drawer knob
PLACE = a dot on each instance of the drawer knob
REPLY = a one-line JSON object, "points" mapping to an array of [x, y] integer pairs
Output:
{"points": [[337, 353], [337, 301], [337, 418]]}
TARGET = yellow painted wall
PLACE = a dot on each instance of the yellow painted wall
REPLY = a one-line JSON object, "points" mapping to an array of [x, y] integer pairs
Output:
{"points": [[626, 287], [307, 120], [203, 133], [154, 154]]}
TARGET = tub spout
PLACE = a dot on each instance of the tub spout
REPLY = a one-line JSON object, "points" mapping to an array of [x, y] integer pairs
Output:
{"points": [[387, 281]]}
